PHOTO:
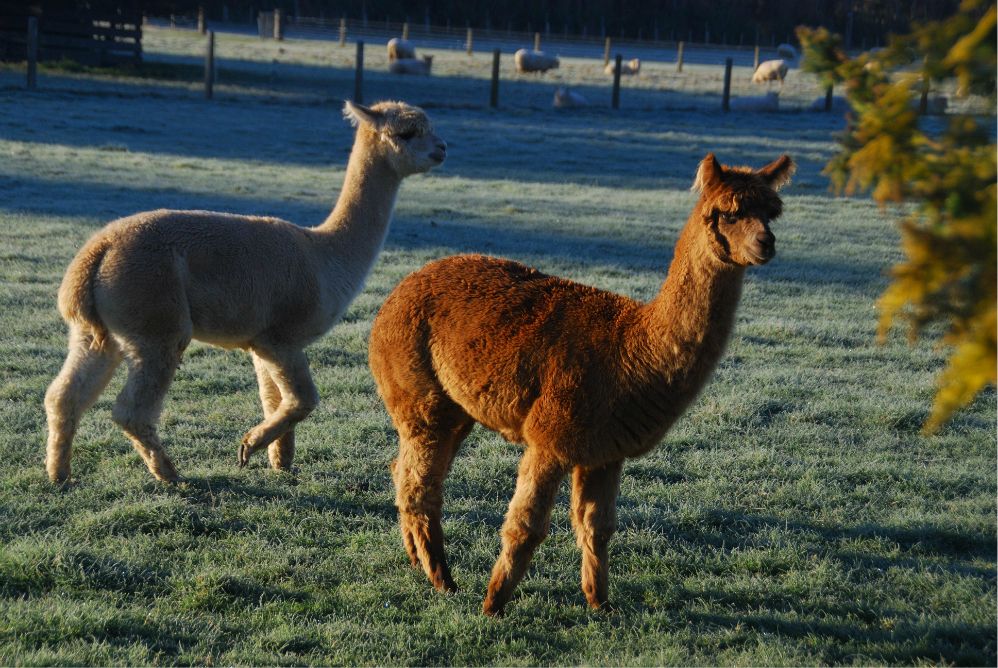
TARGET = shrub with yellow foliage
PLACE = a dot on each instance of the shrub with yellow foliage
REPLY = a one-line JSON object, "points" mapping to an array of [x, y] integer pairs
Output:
{"points": [[949, 240]]}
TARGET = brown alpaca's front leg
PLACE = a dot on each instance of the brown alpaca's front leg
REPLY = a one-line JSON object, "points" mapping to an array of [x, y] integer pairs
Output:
{"points": [[289, 371], [282, 451], [594, 516], [526, 525]]}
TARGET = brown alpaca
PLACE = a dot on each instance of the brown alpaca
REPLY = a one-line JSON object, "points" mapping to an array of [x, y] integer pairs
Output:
{"points": [[583, 377], [144, 286]]}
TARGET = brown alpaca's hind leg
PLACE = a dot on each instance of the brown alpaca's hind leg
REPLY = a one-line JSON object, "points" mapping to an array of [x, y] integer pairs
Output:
{"points": [[289, 371], [151, 367], [84, 376], [594, 516], [428, 440], [526, 525], [282, 451]]}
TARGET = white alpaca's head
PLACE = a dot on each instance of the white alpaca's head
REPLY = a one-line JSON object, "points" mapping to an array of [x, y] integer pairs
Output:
{"points": [[400, 133]]}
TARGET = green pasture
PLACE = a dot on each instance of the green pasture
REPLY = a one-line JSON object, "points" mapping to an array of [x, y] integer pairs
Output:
{"points": [[794, 516]]}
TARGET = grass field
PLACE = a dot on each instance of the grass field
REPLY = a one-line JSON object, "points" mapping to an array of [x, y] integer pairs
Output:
{"points": [[794, 516]]}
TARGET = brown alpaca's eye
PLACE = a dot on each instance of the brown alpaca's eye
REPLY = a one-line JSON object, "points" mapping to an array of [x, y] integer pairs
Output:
{"points": [[726, 218], [407, 135]]}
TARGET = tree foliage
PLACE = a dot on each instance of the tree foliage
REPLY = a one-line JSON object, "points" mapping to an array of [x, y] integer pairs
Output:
{"points": [[948, 276]]}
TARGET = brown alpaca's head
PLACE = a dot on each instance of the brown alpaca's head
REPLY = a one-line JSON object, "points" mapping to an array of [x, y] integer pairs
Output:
{"points": [[737, 205], [399, 133]]}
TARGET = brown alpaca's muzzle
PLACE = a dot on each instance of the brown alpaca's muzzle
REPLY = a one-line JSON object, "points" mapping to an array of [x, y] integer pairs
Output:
{"points": [[764, 248]]}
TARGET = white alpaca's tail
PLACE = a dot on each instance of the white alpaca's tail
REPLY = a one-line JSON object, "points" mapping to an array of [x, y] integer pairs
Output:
{"points": [[76, 293]]}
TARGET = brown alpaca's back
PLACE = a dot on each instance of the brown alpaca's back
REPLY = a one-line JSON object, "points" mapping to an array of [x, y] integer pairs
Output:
{"points": [[500, 336]]}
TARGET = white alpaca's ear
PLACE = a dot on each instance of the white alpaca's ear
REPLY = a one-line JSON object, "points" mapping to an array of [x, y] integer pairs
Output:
{"points": [[777, 173], [708, 174], [358, 113]]}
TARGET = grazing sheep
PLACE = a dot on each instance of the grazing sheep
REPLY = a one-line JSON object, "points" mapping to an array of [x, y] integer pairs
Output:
{"points": [[627, 68], [566, 98], [582, 377], [768, 102], [411, 65], [770, 70], [399, 48], [534, 61], [786, 51], [143, 286]]}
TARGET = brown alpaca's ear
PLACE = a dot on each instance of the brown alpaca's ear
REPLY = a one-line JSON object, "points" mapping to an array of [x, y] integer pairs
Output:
{"points": [[777, 173], [358, 113], [708, 174]]}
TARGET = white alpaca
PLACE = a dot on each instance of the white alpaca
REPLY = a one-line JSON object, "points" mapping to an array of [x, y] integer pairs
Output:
{"points": [[411, 65], [400, 48], [534, 61], [627, 67], [143, 286]]}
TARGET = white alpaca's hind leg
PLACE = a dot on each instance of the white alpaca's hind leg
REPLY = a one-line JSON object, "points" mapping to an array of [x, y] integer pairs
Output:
{"points": [[151, 367], [83, 377], [288, 370], [282, 451]]}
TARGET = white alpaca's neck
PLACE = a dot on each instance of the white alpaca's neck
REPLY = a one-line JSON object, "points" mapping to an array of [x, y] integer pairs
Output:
{"points": [[353, 234]]}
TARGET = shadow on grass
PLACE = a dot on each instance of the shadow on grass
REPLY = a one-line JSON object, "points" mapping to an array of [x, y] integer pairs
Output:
{"points": [[473, 234]]}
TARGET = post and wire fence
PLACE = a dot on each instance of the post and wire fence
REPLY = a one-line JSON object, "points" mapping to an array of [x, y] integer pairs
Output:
{"points": [[671, 75]]}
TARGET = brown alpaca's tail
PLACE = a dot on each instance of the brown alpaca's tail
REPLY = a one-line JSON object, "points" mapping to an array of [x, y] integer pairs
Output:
{"points": [[76, 294]]}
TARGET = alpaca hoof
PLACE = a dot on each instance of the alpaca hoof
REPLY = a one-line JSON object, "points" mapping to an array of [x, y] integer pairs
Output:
{"points": [[492, 609], [244, 455]]}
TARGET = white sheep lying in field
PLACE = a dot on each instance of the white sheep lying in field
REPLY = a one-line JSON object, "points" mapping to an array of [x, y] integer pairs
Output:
{"points": [[770, 70], [534, 61], [566, 98], [786, 51], [411, 65], [768, 102], [399, 48], [626, 67]]}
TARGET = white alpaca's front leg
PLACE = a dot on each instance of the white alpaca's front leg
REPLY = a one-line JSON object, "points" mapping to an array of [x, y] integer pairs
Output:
{"points": [[289, 372]]}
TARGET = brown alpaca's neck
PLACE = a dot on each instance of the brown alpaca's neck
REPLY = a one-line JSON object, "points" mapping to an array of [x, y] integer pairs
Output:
{"points": [[688, 323], [359, 222]]}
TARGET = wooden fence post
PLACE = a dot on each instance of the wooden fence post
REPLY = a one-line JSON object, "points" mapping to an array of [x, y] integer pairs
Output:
{"points": [[32, 78], [828, 99], [606, 52], [358, 78], [537, 41], [405, 30], [615, 99], [679, 57], [278, 27], [470, 41], [201, 25], [726, 97], [343, 31], [494, 89], [755, 60], [923, 102], [209, 66]]}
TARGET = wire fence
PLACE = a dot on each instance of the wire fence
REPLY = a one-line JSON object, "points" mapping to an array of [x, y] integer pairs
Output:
{"points": [[316, 59]]}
